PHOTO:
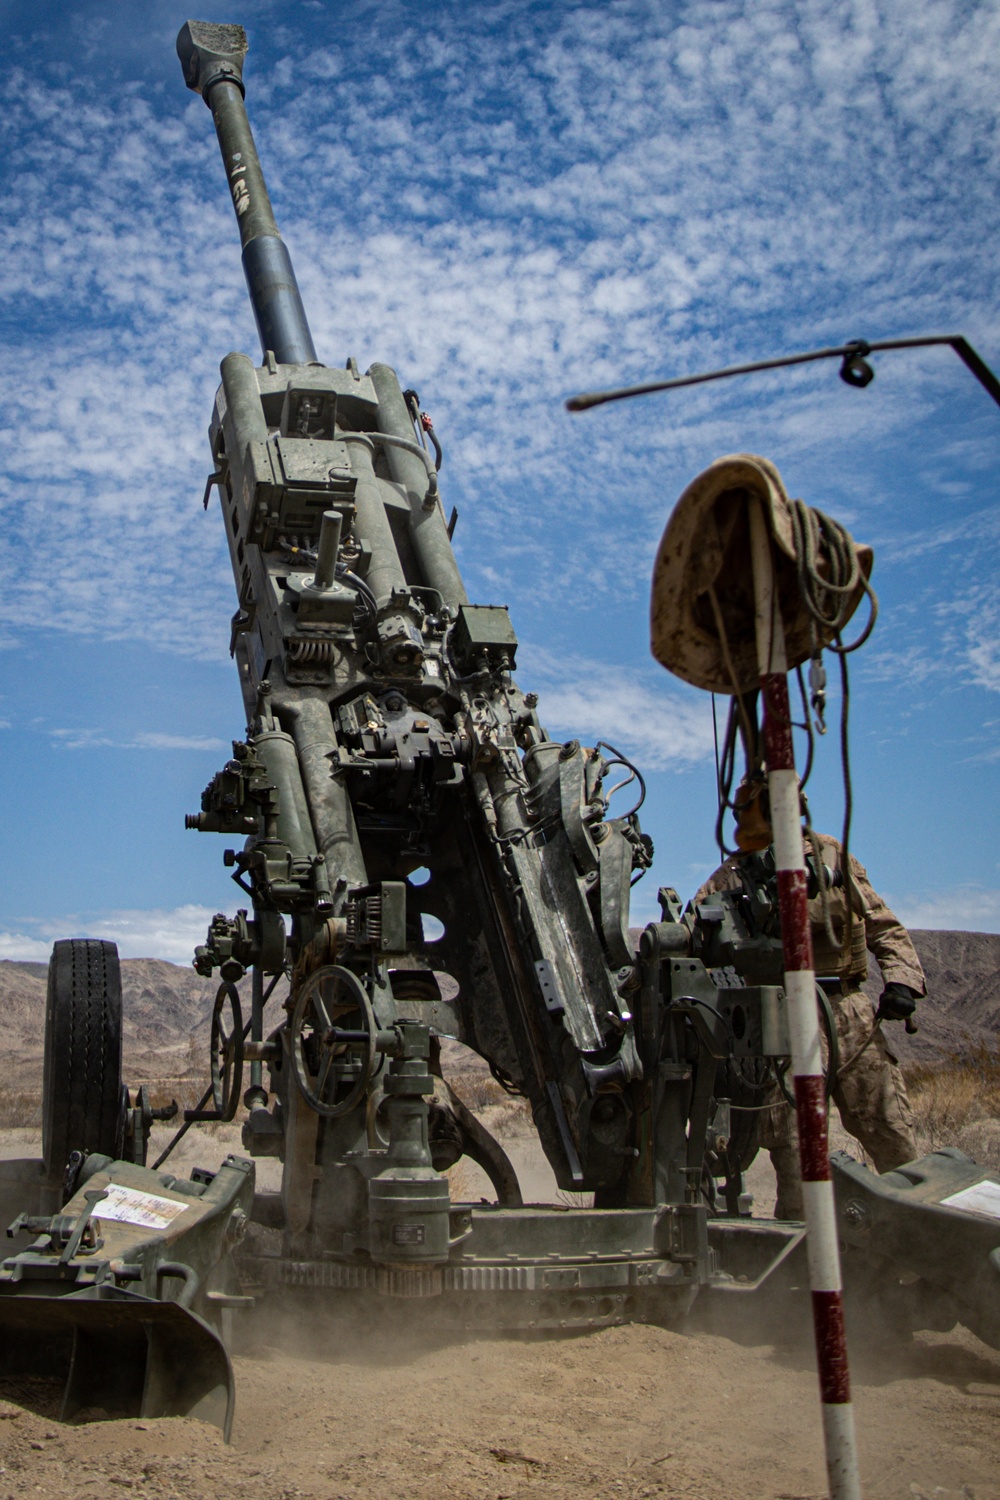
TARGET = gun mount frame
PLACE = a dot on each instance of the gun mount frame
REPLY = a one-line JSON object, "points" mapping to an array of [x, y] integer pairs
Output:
{"points": [[387, 739]]}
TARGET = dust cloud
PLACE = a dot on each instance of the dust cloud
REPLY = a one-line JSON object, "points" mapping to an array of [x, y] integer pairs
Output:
{"points": [[382, 1403]]}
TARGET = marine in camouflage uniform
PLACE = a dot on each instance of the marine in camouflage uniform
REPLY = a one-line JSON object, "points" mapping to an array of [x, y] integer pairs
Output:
{"points": [[869, 1092]]}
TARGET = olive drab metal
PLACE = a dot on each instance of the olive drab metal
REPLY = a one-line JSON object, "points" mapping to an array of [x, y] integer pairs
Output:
{"points": [[421, 861], [427, 862], [387, 735]]}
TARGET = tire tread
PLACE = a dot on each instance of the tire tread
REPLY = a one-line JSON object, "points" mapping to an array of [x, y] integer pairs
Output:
{"points": [[83, 1045]]}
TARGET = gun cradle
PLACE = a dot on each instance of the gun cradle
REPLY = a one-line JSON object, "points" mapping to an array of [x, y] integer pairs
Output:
{"points": [[418, 851], [389, 738], [388, 735]]}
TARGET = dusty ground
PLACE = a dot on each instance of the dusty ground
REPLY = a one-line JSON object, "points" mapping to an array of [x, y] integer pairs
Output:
{"points": [[627, 1412]]}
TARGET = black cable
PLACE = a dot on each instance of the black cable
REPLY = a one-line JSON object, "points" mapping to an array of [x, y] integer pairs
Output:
{"points": [[341, 571], [713, 1010], [810, 738], [833, 1041], [828, 596], [360, 588], [726, 775], [438, 455], [413, 407], [845, 844], [780, 1066], [620, 760], [416, 417], [718, 782]]}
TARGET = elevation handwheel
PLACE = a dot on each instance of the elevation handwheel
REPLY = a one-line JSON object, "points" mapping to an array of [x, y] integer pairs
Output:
{"points": [[333, 1001]]}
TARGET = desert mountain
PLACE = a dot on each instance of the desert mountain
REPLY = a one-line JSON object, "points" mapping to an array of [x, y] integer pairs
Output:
{"points": [[166, 1004], [163, 1005], [962, 1007]]}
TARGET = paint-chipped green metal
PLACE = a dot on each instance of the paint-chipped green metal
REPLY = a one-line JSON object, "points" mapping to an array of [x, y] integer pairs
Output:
{"points": [[127, 1316], [416, 751], [424, 862]]}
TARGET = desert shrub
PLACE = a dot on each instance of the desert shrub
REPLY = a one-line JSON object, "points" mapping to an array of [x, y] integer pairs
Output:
{"points": [[463, 1181], [20, 1109], [477, 1089], [510, 1117], [957, 1102], [187, 1092]]}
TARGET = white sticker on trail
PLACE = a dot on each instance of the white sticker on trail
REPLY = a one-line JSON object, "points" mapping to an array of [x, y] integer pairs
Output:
{"points": [[980, 1198], [131, 1206]]}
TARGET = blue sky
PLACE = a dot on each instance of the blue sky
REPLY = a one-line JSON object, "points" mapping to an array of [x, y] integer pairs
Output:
{"points": [[509, 202]]}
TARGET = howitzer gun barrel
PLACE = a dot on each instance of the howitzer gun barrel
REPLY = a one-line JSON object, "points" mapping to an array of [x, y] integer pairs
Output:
{"points": [[212, 59]]}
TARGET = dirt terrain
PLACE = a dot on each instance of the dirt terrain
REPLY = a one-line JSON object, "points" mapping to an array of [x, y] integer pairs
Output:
{"points": [[349, 1413], [622, 1413], [362, 1413]]}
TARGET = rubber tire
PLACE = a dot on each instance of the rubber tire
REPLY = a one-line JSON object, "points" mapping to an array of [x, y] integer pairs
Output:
{"points": [[82, 1091]]}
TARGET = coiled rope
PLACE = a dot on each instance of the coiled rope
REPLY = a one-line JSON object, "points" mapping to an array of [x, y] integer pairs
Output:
{"points": [[827, 596]]}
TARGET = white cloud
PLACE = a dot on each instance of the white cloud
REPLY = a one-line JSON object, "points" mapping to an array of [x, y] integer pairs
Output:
{"points": [[984, 658], [25, 949], [981, 609], [964, 909], [95, 739], [177, 742], [510, 204], [737, 181], [640, 715], [160, 933]]}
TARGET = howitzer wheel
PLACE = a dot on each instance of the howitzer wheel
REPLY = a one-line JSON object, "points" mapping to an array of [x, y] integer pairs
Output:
{"points": [[226, 1047], [329, 998], [82, 1091]]}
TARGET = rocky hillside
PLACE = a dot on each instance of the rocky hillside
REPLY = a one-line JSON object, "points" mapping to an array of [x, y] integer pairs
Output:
{"points": [[166, 1005], [962, 1007], [163, 1005], [22, 1006]]}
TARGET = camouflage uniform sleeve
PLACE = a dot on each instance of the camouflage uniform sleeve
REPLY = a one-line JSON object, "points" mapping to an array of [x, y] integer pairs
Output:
{"points": [[886, 937], [726, 878]]}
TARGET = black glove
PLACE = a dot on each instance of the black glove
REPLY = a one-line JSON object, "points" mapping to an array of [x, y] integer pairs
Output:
{"points": [[897, 1002]]}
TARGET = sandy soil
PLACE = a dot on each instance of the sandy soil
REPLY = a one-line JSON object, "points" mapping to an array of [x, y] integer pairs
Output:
{"points": [[626, 1412], [348, 1414]]}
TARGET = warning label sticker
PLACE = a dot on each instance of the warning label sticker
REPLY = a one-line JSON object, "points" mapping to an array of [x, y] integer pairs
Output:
{"points": [[127, 1205], [980, 1198]]}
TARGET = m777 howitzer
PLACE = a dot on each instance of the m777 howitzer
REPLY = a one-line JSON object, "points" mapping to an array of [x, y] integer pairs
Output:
{"points": [[387, 740], [387, 736]]}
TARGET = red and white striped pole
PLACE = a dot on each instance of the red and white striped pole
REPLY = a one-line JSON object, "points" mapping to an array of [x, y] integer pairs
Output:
{"points": [[803, 1020]]}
